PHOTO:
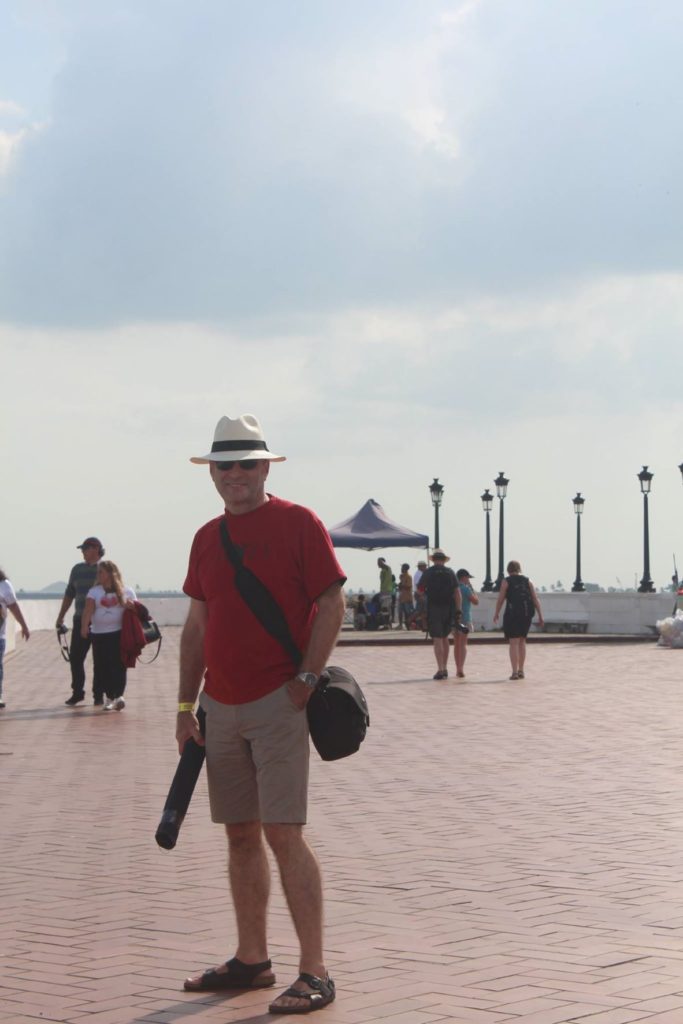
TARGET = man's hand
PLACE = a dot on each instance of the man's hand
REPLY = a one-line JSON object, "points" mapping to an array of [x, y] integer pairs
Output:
{"points": [[25, 632], [60, 622], [187, 728], [299, 693]]}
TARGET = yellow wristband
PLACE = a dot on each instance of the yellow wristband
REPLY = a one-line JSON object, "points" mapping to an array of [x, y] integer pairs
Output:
{"points": [[185, 707]]}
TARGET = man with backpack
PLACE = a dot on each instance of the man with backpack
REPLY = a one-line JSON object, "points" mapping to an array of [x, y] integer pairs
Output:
{"points": [[444, 607]]}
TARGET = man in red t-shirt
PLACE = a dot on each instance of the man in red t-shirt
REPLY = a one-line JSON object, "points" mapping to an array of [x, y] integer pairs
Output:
{"points": [[257, 745]]}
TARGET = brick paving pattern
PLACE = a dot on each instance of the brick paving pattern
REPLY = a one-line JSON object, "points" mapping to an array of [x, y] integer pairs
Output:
{"points": [[498, 852]]}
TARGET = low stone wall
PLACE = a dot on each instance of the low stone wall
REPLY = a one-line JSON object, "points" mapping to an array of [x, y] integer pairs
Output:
{"points": [[622, 614], [42, 614]]}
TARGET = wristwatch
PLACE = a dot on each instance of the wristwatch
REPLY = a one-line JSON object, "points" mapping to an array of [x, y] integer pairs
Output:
{"points": [[310, 679]]}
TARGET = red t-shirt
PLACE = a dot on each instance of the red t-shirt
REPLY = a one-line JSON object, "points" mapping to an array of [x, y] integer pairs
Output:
{"points": [[290, 550]]}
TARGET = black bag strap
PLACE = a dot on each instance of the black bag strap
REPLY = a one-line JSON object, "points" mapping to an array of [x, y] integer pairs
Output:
{"points": [[258, 598]]}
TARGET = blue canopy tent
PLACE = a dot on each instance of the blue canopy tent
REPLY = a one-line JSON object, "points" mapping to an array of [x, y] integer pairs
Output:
{"points": [[371, 528]]}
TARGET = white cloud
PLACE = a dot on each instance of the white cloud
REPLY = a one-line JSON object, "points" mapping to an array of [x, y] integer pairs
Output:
{"points": [[9, 141], [369, 404], [11, 110], [432, 152]]}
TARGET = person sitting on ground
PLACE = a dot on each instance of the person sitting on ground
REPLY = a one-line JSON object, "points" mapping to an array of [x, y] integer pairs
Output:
{"points": [[360, 616]]}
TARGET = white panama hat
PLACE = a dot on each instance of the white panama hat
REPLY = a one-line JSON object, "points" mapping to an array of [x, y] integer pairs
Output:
{"points": [[236, 440]]}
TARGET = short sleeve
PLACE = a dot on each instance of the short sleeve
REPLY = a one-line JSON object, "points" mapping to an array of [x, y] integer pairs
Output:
{"points": [[192, 585], [320, 564]]}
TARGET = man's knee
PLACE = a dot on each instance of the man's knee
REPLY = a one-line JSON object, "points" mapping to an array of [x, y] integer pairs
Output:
{"points": [[283, 837], [243, 837]]}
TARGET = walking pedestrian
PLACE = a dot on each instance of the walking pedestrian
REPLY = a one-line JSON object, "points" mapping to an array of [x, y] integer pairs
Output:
{"points": [[81, 578], [440, 586], [8, 603], [520, 598], [102, 622], [468, 598]]}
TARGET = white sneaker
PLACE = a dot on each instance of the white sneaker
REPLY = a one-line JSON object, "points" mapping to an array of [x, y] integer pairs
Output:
{"points": [[118, 704], [109, 706]]}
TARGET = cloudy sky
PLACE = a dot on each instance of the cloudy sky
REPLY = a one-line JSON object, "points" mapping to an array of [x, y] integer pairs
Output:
{"points": [[417, 238]]}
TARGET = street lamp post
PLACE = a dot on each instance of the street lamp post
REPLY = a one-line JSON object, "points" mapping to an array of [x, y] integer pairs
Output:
{"points": [[501, 491], [646, 584], [487, 502], [578, 501], [436, 490]]}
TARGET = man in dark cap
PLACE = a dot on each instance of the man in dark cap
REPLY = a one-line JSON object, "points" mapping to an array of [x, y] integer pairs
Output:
{"points": [[81, 579]]}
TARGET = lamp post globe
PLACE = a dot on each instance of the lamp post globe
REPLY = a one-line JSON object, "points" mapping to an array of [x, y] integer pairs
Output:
{"points": [[578, 502], [487, 505], [501, 483], [646, 584], [436, 491]]}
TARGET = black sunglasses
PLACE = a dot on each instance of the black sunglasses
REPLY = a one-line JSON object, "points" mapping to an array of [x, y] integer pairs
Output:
{"points": [[225, 467]]}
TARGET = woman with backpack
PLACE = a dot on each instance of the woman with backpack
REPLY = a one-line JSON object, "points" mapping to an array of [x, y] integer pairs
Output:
{"points": [[520, 599]]}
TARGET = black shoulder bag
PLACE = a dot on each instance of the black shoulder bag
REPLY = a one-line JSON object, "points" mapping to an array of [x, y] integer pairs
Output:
{"points": [[337, 710]]}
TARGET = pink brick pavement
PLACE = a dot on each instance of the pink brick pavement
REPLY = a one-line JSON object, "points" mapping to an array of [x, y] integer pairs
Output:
{"points": [[497, 852]]}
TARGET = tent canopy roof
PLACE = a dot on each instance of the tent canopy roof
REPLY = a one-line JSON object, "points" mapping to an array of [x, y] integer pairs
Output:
{"points": [[371, 528]]}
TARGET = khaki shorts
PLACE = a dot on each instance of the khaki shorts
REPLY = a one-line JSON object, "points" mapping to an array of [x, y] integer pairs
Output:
{"points": [[257, 760]]}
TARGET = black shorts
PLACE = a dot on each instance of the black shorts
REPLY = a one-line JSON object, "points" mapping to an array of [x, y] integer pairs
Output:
{"points": [[440, 620]]}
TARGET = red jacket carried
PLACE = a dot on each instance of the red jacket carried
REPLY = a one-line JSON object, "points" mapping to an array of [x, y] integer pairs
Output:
{"points": [[132, 635]]}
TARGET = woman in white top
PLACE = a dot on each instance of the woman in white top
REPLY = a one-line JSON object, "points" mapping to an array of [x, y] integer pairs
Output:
{"points": [[101, 621], [8, 602]]}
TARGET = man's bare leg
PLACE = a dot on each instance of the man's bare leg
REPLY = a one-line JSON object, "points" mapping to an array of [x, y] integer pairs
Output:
{"points": [[249, 875], [441, 652], [460, 652], [302, 884]]}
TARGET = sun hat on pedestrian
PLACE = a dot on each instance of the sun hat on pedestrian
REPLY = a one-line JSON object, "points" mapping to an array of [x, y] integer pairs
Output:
{"points": [[462, 573], [238, 439], [422, 564], [438, 556]]}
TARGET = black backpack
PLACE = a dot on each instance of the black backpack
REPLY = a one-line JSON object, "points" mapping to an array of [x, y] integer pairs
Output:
{"points": [[440, 584], [519, 597]]}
